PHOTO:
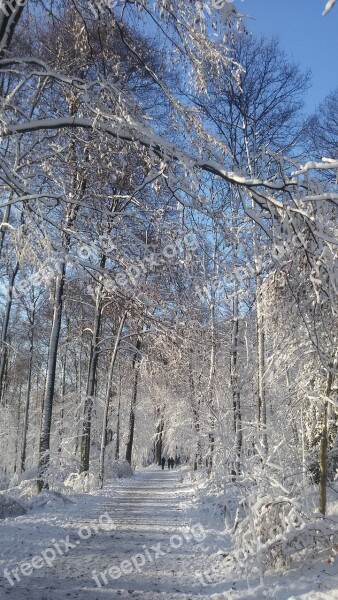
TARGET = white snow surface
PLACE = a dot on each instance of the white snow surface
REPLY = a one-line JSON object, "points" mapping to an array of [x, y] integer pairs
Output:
{"points": [[141, 514]]}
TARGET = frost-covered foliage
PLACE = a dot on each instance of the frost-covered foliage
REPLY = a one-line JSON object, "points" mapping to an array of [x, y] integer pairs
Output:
{"points": [[80, 483], [276, 532], [49, 499], [118, 469]]}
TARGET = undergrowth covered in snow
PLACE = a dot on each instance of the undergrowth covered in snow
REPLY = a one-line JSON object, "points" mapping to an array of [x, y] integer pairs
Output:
{"points": [[266, 529]]}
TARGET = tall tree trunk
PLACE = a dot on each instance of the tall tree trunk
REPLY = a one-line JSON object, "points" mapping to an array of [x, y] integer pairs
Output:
{"points": [[62, 401], [261, 366], [5, 221], [107, 402], [28, 394], [93, 362], [324, 444], [196, 416], [48, 400], [136, 366], [18, 429], [118, 422], [234, 377], [261, 397], [211, 384], [47, 410], [159, 437], [91, 379], [78, 370], [4, 331], [63, 390]]}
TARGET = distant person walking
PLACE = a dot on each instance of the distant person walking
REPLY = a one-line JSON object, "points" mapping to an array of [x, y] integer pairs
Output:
{"points": [[163, 462]]}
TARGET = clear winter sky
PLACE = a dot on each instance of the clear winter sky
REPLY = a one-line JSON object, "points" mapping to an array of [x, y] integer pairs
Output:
{"points": [[309, 39]]}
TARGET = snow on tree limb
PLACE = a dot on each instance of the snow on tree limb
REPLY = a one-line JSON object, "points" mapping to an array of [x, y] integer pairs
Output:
{"points": [[9, 17], [258, 190], [139, 134], [325, 163], [329, 5]]}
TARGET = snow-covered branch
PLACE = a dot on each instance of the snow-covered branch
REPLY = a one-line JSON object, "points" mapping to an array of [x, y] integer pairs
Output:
{"points": [[329, 5]]}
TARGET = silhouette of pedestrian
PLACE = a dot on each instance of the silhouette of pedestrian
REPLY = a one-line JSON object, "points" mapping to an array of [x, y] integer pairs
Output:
{"points": [[163, 462]]}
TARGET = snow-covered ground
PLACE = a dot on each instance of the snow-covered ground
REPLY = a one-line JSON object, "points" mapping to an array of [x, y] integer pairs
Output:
{"points": [[144, 537]]}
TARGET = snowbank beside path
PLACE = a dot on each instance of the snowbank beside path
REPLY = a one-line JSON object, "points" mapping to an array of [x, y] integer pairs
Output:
{"points": [[311, 577]]}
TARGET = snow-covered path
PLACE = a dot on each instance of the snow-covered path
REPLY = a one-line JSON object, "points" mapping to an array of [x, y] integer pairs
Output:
{"points": [[143, 535], [146, 541]]}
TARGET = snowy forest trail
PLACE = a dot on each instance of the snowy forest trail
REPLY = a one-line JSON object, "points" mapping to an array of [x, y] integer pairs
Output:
{"points": [[146, 527], [141, 538]]}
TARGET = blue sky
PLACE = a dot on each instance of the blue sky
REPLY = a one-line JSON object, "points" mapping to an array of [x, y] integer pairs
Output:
{"points": [[309, 39]]}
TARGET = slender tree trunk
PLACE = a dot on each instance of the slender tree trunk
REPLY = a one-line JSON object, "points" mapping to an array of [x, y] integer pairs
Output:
{"points": [[18, 429], [252, 166], [324, 444], [211, 384], [91, 379], [234, 377], [118, 423], [107, 402], [79, 407], [4, 332], [28, 394], [261, 366], [47, 410], [62, 400], [136, 366], [196, 417], [5, 221], [159, 437]]}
